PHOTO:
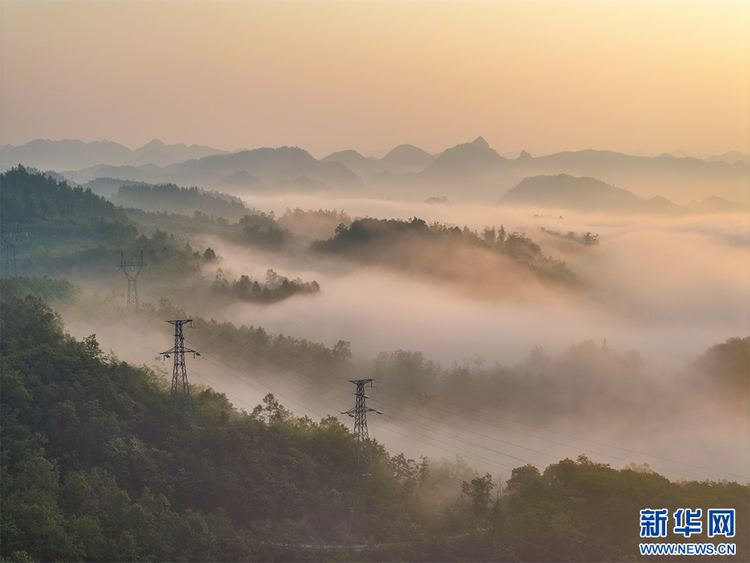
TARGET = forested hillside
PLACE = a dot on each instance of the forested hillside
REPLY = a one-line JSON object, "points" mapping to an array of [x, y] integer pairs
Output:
{"points": [[185, 201], [34, 197], [444, 251], [73, 233], [70, 232], [96, 466]]}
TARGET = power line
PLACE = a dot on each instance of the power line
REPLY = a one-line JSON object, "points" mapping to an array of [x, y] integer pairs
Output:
{"points": [[469, 417], [465, 415]]}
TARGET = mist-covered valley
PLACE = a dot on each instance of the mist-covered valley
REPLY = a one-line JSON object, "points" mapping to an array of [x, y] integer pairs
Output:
{"points": [[607, 360], [498, 334], [585, 323], [374, 281]]}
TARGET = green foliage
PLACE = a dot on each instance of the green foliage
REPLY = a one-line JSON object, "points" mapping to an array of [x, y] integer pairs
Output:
{"points": [[587, 238], [727, 364], [182, 226], [73, 232], [263, 231], [48, 289], [194, 201], [276, 287], [586, 511], [375, 240], [478, 490], [29, 198], [96, 466], [253, 345]]}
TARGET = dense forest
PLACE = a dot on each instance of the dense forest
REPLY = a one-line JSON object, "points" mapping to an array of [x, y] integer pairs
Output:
{"points": [[97, 466]]}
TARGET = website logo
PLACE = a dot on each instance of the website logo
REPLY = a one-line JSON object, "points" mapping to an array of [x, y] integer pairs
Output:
{"points": [[686, 522]]}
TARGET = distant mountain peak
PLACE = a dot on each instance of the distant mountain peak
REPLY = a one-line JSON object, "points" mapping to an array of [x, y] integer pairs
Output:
{"points": [[476, 159], [156, 144], [480, 142], [344, 153], [408, 157]]}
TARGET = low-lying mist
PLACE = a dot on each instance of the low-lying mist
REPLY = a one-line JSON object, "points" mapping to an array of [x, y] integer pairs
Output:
{"points": [[668, 287], [549, 371]]}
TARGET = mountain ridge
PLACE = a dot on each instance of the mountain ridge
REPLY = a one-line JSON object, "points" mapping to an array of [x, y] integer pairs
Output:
{"points": [[563, 191], [471, 169], [72, 154]]}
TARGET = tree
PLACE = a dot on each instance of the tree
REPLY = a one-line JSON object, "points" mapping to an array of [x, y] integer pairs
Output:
{"points": [[478, 491]]}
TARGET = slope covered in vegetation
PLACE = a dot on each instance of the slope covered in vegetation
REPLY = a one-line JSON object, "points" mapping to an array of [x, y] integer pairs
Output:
{"points": [[66, 231], [185, 201], [442, 251], [96, 466]]}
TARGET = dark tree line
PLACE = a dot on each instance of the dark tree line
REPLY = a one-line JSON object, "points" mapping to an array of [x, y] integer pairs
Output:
{"points": [[274, 289]]}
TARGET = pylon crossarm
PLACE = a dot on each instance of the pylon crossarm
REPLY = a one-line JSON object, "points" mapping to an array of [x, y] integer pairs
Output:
{"points": [[186, 350]]}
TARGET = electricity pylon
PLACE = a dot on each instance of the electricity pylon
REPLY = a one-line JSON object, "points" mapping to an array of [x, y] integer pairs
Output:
{"points": [[10, 238], [362, 439], [133, 307], [180, 394]]}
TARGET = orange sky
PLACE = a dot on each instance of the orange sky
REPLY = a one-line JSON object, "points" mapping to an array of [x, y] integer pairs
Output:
{"points": [[544, 77]]}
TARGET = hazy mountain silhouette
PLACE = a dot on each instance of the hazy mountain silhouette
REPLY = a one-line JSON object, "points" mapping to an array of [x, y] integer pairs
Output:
{"points": [[143, 173], [75, 155], [584, 194], [300, 184], [659, 204], [563, 191], [282, 165], [470, 170], [729, 157], [402, 161], [666, 175], [716, 204], [241, 178], [362, 166], [68, 154], [161, 154], [466, 160], [408, 158]]}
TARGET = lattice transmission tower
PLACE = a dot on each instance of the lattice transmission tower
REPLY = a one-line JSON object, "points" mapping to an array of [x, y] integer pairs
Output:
{"points": [[133, 307], [180, 394], [362, 439], [10, 238]]}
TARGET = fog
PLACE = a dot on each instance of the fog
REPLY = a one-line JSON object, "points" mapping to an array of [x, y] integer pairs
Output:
{"points": [[667, 287], [603, 368]]}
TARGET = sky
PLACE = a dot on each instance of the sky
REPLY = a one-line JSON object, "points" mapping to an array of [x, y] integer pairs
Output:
{"points": [[544, 77]]}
